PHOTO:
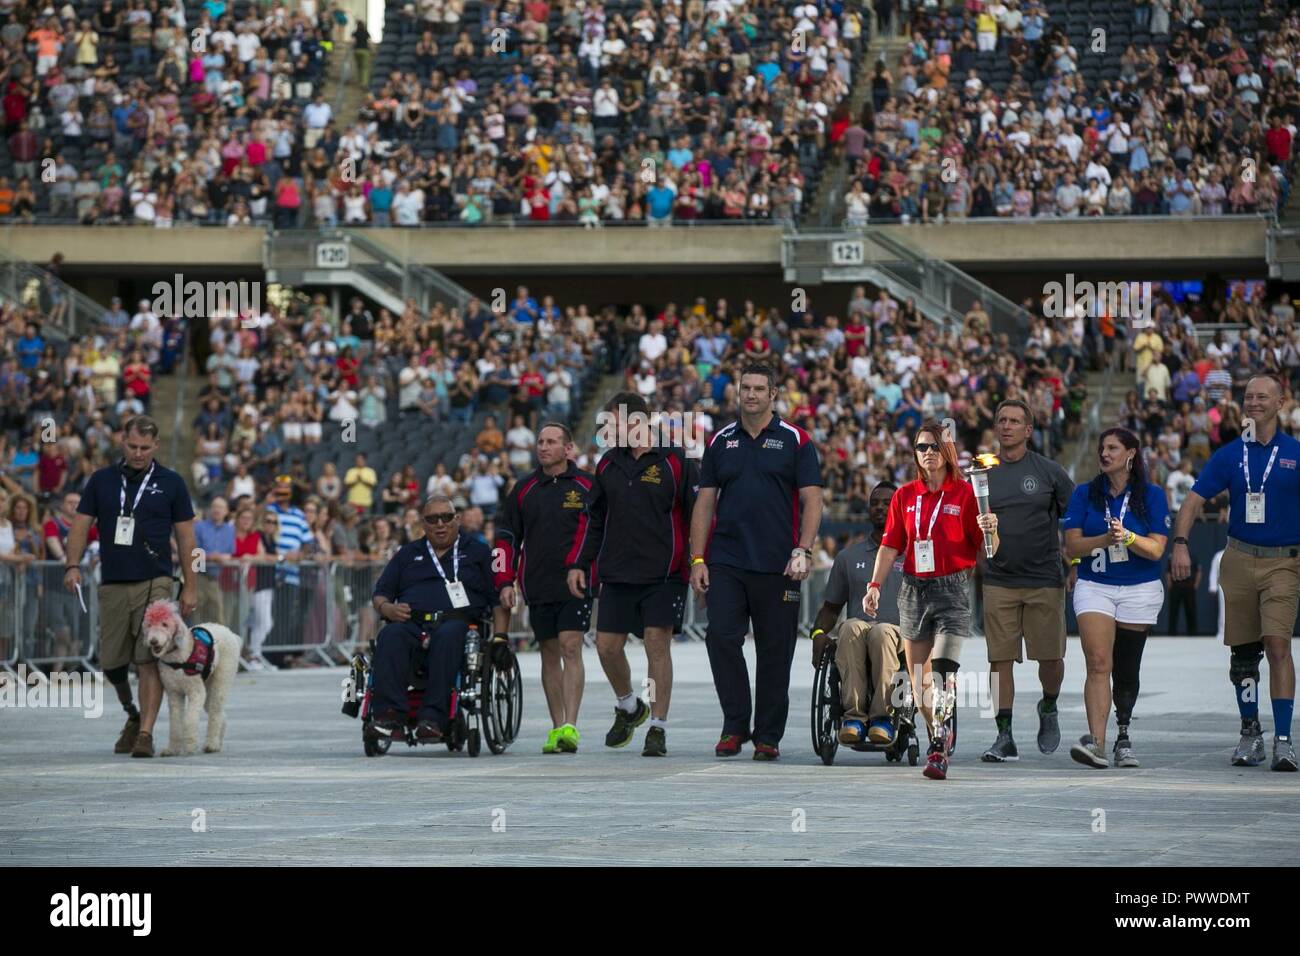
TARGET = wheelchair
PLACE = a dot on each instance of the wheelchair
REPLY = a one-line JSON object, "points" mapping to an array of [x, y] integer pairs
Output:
{"points": [[828, 715], [487, 702]]}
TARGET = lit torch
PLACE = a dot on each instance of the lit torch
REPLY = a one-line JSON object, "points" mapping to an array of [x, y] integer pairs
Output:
{"points": [[979, 480]]}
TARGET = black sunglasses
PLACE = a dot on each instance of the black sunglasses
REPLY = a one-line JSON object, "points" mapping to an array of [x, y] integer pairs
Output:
{"points": [[924, 446], [440, 518]]}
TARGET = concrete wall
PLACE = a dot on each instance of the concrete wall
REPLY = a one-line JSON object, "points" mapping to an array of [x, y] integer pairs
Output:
{"points": [[994, 246]]}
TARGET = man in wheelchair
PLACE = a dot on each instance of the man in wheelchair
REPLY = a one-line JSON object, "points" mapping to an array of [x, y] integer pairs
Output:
{"points": [[430, 593], [867, 650]]}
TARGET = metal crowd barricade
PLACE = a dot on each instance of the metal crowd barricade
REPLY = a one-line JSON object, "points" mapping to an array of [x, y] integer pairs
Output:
{"points": [[355, 623], [9, 630], [301, 608], [52, 630]]}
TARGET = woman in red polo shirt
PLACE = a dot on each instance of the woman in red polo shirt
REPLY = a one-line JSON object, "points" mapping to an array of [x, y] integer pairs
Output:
{"points": [[934, 522]]}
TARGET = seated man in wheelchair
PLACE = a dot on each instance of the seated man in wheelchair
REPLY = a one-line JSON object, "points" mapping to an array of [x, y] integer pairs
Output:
{"points": [[861, 641], [449, 576]]}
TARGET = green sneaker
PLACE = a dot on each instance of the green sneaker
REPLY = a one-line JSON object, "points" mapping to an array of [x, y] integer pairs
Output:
{"points": [[552, 745], [568, 738]]}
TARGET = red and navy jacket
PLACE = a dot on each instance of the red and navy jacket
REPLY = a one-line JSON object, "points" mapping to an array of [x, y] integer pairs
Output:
{"points": [[541, 531], [641, 516]]}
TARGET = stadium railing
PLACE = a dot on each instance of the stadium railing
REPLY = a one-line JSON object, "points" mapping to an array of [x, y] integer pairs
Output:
{"points": [[41, 624]]}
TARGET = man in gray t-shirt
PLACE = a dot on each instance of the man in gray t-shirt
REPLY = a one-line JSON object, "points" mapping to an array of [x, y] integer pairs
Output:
{"points": [[866, 650], [1024, 583]]}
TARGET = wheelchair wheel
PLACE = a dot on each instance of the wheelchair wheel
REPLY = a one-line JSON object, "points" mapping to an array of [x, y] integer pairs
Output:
{"points": [[473, 742], [457, 735], [376, 748], [826, 695], [501, 706], [913, 754]]}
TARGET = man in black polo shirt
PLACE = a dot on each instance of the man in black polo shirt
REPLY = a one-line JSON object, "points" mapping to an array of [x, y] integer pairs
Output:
{"points": [[135, 504], [762, 479], [542, 528], [641, 509]]}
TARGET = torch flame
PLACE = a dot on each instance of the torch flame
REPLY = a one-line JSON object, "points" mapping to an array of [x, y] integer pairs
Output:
{"points": [[987, 461]]}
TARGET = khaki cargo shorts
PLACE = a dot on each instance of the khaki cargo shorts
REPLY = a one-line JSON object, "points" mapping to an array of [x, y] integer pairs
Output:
{"points": [[121, 620]]}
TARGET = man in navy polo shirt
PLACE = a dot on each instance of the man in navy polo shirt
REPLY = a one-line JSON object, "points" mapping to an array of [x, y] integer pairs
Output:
{"points": [[1260, 572], [135, 505], [446, 573], [762, 480]]}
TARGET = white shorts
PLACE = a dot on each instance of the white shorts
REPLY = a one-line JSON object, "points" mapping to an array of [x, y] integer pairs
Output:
{"points": [[1126, 603]]}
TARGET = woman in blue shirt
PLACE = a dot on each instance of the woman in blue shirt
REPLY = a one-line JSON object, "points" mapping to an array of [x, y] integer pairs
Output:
{"points": [[1115, 530]]}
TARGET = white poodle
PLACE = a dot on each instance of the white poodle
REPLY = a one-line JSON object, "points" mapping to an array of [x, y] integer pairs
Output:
{"points": [[196, 673]]}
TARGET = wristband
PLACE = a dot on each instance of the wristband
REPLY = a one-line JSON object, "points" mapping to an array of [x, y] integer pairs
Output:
{"points": [[696, 560], [873, 584], [1132, 536], [815, 632], [1074, 561], [1181, 540], [71, 567]]}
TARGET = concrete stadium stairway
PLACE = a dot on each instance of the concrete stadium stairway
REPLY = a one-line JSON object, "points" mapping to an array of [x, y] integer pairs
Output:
{"points": [[1105, 396], [827, 209]]}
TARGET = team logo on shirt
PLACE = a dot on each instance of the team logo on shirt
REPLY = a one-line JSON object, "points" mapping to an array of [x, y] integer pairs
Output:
{"points": [[653, 475], [952, 510], [1287, 463], [1168, 521], [776, 443], [733, 443], [572, 499], [1029, 485], [862, 565]]}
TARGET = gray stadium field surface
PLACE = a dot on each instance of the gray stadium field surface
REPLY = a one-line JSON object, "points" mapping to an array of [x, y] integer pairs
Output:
{"points": [[294, 788]]}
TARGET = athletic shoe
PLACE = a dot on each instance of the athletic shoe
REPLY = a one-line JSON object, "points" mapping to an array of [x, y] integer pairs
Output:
{"points": [[1283, 754], [550, 746], [1049, 730], [126, 740], [729, 745], [936, 764], [1124, 755], [625, 724], [1003, 749], [427, 732], [851, 732], [1250, 748], [766, 752], [567, 742], [144, 746], [881, 731], [388, 724], [1089, 753], [655, 744]]}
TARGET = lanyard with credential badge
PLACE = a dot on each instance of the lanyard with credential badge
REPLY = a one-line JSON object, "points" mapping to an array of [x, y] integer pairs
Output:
{"points": [[455, 562], [1245, 467], [1255, 499], [1118, 552], [121, 492], [929, 532]]}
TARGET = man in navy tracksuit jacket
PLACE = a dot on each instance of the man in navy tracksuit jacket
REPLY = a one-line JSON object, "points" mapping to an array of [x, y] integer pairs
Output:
{"points": [[641, 512], [541, 531], [761, 479]]}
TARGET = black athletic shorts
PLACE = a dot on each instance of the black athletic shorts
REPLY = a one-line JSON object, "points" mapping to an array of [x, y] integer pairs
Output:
{"points": [[629, 608], [548, 620]]}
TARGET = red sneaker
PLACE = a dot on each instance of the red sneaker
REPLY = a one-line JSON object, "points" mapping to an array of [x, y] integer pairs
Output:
{"points": [[766, 752], [729, 745], [936, 766]]}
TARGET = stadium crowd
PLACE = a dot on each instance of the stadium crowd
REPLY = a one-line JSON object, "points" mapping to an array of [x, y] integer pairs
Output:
{"points": [[994, 111], [580, 112]]}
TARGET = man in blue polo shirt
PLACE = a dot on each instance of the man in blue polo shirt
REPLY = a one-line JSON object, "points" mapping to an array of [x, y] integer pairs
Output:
{"points": [[762, 480], [1260, 572], [447, 574], [136, 505]]}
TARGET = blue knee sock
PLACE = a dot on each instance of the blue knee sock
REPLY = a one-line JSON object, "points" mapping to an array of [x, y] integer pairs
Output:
{"points": [[1249, 708], [1282, 716]]}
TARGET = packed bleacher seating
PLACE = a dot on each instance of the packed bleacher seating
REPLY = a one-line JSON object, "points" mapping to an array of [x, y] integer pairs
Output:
{"points": [[1026, 108]]}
